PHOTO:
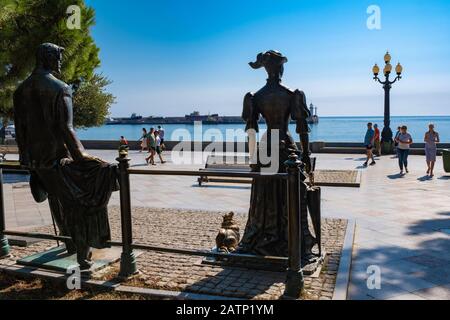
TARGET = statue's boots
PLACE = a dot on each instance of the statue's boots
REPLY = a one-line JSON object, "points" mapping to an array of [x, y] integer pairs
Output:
{"points": [[84, 256]]}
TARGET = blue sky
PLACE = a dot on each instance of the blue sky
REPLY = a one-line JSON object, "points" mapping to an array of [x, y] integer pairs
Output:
{"points": [[171, 57]]}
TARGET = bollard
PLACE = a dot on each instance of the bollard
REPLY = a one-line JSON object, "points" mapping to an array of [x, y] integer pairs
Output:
{"points": [[127, 259], [446, 160], [295, 281], [4, 245]]}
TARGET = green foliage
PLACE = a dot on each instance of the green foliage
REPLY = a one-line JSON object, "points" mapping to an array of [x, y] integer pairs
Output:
{"points": [[24, 24], [92, 102]]}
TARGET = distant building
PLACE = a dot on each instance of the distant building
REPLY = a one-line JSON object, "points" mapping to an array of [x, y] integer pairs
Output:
{"points": [[314, 117]]}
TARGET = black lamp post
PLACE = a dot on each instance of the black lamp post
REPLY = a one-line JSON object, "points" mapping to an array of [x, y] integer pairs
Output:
{"points": [[386, 135]]}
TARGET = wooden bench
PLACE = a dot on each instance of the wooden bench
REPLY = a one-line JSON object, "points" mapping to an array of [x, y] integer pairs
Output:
{"points": [[227, 164], [7, 149]]}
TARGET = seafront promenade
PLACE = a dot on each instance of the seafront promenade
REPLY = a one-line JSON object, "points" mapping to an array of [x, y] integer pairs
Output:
{"points": [[403, 223]]}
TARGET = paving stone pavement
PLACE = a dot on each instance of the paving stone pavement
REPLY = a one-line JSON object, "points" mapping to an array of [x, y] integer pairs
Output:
{"points": [[402, 221], [192, 229]]}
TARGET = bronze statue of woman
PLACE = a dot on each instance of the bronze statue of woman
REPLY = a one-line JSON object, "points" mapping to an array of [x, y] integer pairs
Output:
{"points": [[266, 232]]}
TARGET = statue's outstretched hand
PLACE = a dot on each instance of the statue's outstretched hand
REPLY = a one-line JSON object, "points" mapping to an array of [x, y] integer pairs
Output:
{"points": [[84, 157], [65, 161], [89, 157]]}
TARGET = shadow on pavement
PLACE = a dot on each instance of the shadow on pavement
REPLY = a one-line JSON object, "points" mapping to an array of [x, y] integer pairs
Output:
{"points": [[422, 269], [396, 176]]}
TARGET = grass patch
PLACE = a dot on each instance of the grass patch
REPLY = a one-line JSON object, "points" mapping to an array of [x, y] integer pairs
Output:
{"points": [[21, 288]]}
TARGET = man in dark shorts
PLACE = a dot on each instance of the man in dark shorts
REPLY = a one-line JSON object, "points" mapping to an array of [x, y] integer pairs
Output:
{"points": [[377, 140], [151, 140], [369, 140]]}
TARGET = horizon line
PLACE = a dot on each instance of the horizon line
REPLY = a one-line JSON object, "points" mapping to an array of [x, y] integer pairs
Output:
{"points": [[325, 116]]}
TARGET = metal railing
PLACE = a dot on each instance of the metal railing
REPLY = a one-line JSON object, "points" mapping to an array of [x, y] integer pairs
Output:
{"points": [[128, 267]]}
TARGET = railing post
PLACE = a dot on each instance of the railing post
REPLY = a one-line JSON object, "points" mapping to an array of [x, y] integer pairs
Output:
{"points": [[4, 245], [127, 259], [294, 282]]}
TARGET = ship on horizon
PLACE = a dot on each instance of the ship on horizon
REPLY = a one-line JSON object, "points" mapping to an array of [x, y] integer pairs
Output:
{"points": [[192, 118], [187, 119]]}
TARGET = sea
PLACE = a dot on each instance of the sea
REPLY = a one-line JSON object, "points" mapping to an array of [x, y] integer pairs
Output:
{"points": [[329, 129]]}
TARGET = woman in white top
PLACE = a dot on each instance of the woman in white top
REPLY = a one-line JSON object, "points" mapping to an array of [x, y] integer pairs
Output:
{"points": [[404, 141], [431, 139]]}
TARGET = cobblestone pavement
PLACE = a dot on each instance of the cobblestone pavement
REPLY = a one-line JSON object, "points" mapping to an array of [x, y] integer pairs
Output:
{"points": [[197, 230], [403, 222]]}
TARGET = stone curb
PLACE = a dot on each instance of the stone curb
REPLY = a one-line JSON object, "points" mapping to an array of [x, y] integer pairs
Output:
{"points": [[343, 275]]}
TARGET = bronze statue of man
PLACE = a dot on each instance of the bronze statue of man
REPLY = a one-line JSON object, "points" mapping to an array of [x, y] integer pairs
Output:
{"points": [[266, 232], [77, 185]]}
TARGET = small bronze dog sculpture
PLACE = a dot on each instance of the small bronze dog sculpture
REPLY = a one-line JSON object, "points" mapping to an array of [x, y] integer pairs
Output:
{"points": [[228, 238]]}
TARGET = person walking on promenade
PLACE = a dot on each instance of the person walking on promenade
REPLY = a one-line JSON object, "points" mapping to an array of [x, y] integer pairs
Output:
{"points": [[162, 133], [431, 139], [151, 147], [404, 140], [3, 135], [144, 144], [377, 141], [395, 141], [368, 143], [123, 141], [158, 146]]}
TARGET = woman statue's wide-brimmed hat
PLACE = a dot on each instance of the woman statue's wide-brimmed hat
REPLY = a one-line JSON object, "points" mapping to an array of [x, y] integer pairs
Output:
{"points": [[271, 57]]}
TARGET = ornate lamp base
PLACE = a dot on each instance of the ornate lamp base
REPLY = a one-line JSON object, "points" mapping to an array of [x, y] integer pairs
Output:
{"points": [[387, 147]]}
